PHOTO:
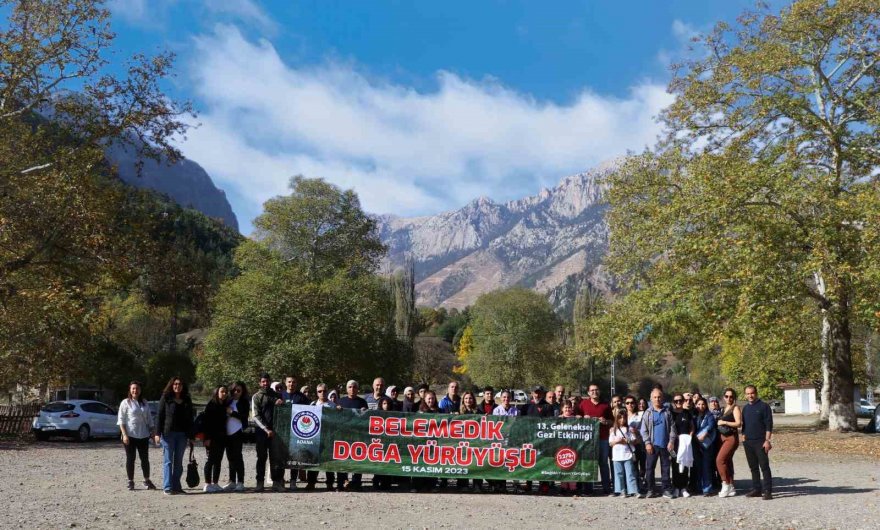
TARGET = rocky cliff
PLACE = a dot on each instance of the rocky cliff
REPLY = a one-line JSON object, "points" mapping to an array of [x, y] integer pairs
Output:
{"points": [[552, 242]]}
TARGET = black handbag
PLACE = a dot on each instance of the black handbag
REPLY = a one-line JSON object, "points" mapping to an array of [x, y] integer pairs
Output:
{"points": [[192, 470], [725, 430]]}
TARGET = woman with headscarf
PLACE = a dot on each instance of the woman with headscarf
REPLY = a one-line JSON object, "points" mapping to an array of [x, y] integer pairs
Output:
{"points": [[391, 393], [409, 400]]}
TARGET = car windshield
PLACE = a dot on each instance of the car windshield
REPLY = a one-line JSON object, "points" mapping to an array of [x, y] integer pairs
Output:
{"points": [[58, 406]]}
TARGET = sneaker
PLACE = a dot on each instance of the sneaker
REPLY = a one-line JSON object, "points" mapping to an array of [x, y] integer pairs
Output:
{"points": [[614, 494], [668, 495], [239, 487], [149, 484], [292, 486], [229, 486], [169, 492], [208, 488], [653, 495], [261, 487], [131, 485], [685, 493], [731, 492], [642, 495]]}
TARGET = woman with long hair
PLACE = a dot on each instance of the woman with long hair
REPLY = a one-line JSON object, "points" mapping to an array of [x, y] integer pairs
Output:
{"points": [[237, 412], [215, 437], [175, 423], [428, 405], [704, 445], [136, 424], [728, 428]]}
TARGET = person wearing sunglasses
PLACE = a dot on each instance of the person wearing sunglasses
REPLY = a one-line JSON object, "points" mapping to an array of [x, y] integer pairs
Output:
{"points": [[684, 424], [634, 420], [323, 400], [728, 425]]}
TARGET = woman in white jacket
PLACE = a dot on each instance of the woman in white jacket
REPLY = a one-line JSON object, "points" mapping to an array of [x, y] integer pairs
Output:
{"points": [[137, 426]]}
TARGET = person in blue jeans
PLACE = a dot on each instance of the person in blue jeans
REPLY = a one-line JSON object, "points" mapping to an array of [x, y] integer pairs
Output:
{"points": [[658, 431], [705, 444], [623, 440], [175, 422]]}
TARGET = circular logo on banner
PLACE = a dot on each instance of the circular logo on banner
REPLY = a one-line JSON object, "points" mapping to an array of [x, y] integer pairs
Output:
{"points": [[566, 458], [305, 424]]}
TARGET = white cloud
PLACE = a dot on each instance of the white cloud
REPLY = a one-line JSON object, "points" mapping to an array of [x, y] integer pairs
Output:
{"points": [[403, 151], [684, 33], [247, 11]]}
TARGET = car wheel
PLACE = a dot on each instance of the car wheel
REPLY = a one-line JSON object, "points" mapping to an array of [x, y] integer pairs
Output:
{"points": [[83, 433]]}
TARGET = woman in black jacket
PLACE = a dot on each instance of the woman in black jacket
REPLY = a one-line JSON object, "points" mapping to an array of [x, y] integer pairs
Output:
{"points": [[214, 429], [237, 413], [175, 423]]}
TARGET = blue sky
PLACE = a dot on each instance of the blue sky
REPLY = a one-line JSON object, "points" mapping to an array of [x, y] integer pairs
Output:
{"points": [[418, 106]]}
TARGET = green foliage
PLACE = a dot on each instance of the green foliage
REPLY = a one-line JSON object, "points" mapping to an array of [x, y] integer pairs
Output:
{"points": [[452, 326], [515, 339], [762, 197], [320, 228], [162, 367], [293, 309]]}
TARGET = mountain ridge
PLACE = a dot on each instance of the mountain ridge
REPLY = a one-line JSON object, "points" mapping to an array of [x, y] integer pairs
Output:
{"points": [[552, 241]]}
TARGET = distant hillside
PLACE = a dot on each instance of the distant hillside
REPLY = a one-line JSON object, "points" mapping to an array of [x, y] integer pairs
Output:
{"points": [[185, 182], [552, 242]]}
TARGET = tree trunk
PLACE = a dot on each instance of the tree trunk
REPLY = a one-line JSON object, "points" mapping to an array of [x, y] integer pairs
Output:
{"points": [[841, 413], [825, 393]]}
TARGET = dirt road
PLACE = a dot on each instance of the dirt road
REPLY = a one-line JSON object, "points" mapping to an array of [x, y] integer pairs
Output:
{"points": [[59, 484]]}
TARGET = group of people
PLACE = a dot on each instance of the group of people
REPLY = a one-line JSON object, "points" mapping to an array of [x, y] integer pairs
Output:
{"points": [[693, 437]]}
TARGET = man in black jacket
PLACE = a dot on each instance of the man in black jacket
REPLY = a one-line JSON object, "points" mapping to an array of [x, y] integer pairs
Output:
{"points": [[292, 396], [757, 429], [263, 404], [540, 408]]}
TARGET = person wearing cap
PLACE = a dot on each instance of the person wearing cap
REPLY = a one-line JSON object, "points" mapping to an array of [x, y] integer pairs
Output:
{"points": [[538, 407], [351, 401]]}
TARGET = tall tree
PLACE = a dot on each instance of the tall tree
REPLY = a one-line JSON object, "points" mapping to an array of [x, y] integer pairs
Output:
{"points": [[62, 219], [321, 228], [515, 335], [764, 191]]}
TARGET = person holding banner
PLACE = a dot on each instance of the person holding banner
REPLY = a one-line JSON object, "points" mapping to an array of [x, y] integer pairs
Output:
{"points": [[538, 407], [594, 407], [263, 404], [352, 401], [428, 405], [291, 396], [312, 476]]}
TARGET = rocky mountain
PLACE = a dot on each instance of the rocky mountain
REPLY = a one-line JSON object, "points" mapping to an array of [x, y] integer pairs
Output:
{"points": [[552, 242], [185, 182]]}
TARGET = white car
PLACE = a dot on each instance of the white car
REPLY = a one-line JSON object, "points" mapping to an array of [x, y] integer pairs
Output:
{"points": [[80, 418], [865, 408], [519, 396]]}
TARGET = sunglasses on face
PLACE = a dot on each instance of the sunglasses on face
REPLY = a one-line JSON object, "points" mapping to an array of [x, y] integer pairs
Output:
{"points": [[728, 397], [630, 403], [677, 400]]}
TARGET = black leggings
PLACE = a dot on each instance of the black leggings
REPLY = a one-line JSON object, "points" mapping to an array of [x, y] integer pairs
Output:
{"points": [[137, 446], [234, 457], [215, 458]]}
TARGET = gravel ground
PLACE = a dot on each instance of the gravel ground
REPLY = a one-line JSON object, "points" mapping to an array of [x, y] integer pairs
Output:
{"points": [[59, 484]]}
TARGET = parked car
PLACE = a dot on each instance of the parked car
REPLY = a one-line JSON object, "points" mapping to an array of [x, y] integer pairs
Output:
{"points": [[80, 418], [519, 396], [777, 406], [865, 408]]}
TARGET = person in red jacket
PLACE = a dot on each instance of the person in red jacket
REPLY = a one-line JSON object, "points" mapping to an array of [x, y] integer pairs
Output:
{"points": [[595, 408]]}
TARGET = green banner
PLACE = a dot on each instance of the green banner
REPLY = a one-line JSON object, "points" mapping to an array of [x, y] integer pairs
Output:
{"points": [[437, 445]]}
